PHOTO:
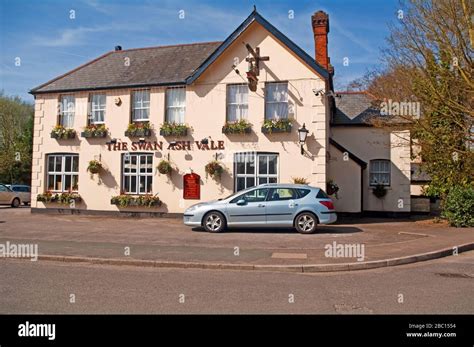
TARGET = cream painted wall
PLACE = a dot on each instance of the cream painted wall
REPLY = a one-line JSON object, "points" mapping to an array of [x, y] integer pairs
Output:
{"points": [[370, 143], [346, 173], [205, 112]]}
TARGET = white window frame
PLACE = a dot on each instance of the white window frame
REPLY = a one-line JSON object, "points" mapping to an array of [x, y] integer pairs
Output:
{"points": [[268, 102], [64, 110], [256, 175], [379, 171], [240, 106], [148, 175], [63, 173], [96, 108], [140, 105], [168, 106]]}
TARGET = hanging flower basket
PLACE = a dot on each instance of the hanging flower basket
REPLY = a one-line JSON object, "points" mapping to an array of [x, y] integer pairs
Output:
{"points": [[332, 188], [379, 191], [164, 167], [94, 167], [214, 169]]}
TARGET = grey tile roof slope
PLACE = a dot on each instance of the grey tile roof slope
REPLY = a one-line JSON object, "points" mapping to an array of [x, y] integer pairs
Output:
{"points": [[160, 65], [354, 108]]}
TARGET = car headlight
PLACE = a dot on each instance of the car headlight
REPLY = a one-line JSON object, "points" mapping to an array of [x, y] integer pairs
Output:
{"points": [[193, 207]]}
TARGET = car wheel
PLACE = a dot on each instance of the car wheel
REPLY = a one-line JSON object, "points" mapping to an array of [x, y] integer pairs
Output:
{"points": [[16, 202], [214, 222], [306, 223]]}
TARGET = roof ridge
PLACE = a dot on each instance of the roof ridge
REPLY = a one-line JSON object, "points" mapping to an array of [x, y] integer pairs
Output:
{"points": [[166, 46]]}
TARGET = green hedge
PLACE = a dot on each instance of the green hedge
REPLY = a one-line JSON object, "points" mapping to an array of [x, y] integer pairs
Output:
{"points": [[458, 207]]}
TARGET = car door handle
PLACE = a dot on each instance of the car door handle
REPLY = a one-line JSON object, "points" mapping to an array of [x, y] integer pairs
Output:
{"points": [[261, 205]]}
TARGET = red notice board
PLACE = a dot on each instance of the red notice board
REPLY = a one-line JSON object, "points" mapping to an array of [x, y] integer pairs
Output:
{"points": [[192, 186]]}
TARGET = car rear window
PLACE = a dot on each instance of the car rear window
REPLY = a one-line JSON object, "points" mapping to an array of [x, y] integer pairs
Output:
{"points": [[303, 192], [322, 195]]}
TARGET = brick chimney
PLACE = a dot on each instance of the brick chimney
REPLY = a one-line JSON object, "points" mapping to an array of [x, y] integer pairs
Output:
{"points": [[320, 23]]}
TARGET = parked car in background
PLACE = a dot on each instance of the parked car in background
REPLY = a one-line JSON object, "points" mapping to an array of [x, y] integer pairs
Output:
{"points": [[9, 197], [280, 205], [23, 190]]}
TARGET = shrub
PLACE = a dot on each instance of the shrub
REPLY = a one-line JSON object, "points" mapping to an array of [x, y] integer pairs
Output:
{"points": [[299, 180], [458, 207], [125, 200]]}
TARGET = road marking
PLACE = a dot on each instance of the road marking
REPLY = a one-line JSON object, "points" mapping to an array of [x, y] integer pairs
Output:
{"points": [[290, 255]]}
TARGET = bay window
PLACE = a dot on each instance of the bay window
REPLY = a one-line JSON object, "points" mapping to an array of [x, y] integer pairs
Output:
{"points": [[175, 105]]}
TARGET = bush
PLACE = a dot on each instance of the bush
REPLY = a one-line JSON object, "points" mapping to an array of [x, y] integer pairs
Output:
{"points": [[458, 207]]}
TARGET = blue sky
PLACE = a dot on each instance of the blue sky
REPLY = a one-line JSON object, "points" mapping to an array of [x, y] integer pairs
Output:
{"points": [[48, 42]]}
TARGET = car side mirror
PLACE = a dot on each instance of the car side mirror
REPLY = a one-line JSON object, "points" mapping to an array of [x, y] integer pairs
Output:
{"points": [[241, 202]]}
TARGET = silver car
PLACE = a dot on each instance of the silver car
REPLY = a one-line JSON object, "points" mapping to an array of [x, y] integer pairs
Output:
{"points": [[9, 197], [23, 191], [278, 205]]}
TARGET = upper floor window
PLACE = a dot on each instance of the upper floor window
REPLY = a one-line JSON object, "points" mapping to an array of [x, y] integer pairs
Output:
{"points": [[97, 109], [380, 172], [67, 110], [140, 105], [276, 100], [237, 102], [63, 172], [175, 105]]}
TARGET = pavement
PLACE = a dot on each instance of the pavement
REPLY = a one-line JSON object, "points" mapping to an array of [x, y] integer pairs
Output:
{"points": [[166, 242]]}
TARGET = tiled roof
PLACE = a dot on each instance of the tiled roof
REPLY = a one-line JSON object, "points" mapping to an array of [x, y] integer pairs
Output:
{"points": [[163, 65], [354, 108]]}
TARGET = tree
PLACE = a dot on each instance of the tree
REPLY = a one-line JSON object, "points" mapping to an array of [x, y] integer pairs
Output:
{"points": [[429, 60], [16, 140]]}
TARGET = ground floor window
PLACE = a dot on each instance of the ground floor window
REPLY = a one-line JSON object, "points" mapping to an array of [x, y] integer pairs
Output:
{"points": [[254, 168], [137, 173], [63, 172], [379, 172]]}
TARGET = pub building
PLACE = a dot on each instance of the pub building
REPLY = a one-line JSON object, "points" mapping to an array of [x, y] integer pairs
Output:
{"points": [[158, 129]]}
